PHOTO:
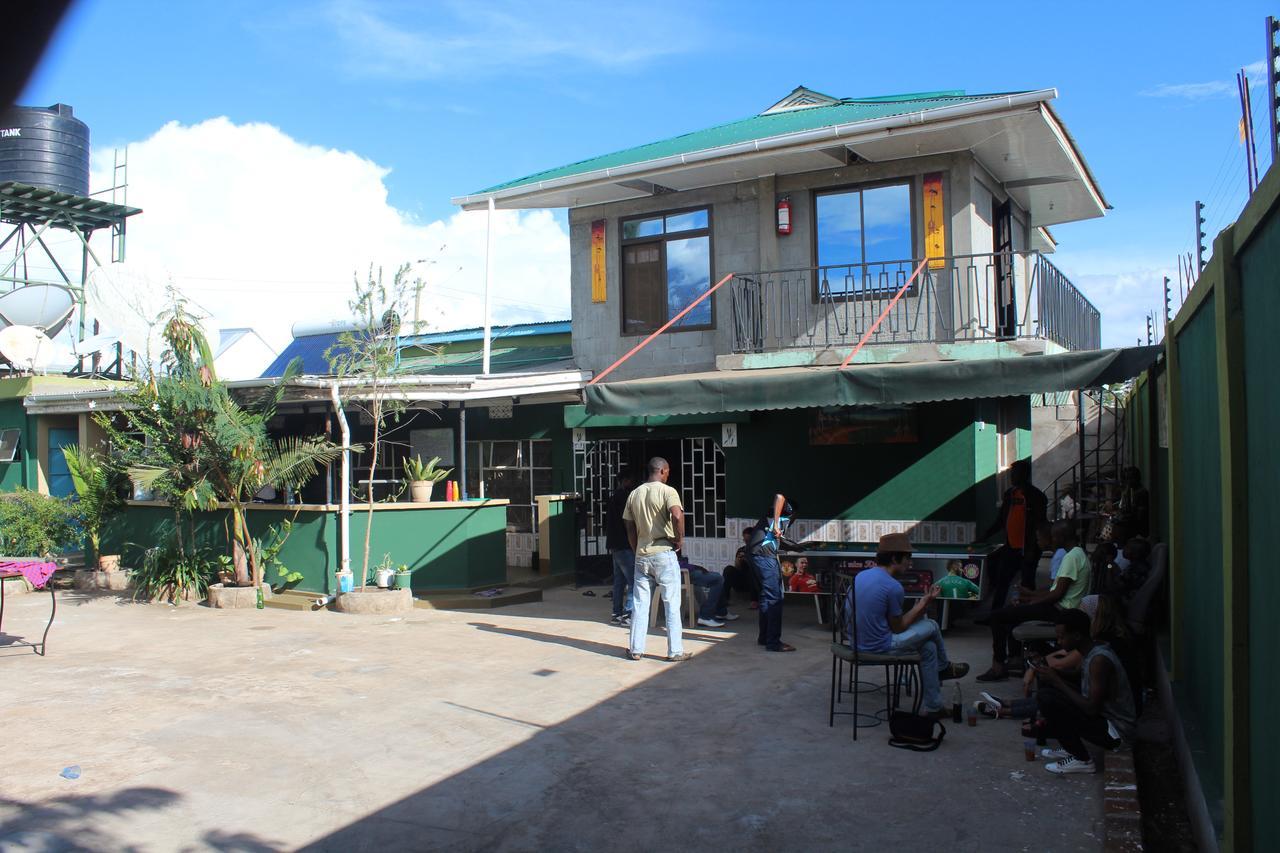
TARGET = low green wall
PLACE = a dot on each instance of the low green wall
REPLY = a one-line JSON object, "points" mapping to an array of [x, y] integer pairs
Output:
{"points": [[453, 546]]}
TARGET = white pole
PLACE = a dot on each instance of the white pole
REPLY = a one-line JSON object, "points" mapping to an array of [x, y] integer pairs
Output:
{"points": [[488, 280], [344, 524]]}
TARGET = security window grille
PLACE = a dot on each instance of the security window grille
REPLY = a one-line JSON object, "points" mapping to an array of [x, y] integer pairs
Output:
{"points": [[516, 471], [666, 265], [702, 487]]}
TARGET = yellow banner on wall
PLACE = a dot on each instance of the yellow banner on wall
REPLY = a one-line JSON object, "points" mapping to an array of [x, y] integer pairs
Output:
{"points": [[598, 291], [935, 228]]}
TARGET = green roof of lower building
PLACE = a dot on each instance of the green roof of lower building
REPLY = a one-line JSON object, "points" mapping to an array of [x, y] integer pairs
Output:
{"points": [[763, 126]]}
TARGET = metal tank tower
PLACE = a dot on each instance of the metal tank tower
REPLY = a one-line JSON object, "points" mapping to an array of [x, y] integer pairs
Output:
{"points": [[44, 188]]}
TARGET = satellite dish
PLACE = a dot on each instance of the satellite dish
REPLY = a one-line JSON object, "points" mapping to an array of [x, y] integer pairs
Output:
{"points": [[46, 307], [127, 302], [26, 347]]}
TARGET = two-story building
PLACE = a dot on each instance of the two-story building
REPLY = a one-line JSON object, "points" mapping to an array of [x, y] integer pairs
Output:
{"points": [[905, 235]]}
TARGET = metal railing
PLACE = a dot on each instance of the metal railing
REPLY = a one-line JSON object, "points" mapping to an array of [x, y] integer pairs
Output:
{"points": [[995, 296]]}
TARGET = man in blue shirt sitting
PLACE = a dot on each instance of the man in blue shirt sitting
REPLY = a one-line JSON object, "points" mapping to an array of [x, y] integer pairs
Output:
{"points": [[883, 628]]}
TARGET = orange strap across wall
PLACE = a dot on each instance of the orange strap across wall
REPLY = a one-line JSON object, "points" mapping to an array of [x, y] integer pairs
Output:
{"points": [[885, 313], [667, 325]]}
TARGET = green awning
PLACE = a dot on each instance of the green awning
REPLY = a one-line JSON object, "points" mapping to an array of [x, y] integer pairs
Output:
{"points": [[866, 385]]}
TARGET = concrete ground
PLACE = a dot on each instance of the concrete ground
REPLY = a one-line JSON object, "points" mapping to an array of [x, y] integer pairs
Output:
{"points": [[516, 729]]}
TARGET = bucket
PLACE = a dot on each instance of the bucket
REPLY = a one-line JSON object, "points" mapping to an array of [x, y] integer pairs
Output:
{"points": [[403, 580], [344, 581]]}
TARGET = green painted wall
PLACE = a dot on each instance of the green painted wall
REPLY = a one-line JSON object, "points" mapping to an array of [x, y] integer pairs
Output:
{"points": [[1199, 499], [1261, 306], [21, 471], [934, 478], [453, 547]]}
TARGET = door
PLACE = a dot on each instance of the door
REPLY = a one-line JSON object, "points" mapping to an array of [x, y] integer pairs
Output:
{"points": [[60, 485], [1006, 308]]}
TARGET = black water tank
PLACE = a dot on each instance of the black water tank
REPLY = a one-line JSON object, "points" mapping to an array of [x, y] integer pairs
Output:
{"points": [[46, 147]]}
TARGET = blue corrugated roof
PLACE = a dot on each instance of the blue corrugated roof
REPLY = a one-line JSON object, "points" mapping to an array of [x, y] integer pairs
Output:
{"points": [[310, 348]]}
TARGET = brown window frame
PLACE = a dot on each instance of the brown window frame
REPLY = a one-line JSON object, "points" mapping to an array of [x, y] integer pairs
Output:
{"points": [[661, 241], [911, 182]]}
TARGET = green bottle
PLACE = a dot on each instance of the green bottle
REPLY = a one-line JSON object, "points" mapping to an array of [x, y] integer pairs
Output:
{"points": [[261, 603]]}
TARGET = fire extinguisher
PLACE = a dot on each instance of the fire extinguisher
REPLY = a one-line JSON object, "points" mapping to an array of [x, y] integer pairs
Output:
{"points": [[784, 215]]}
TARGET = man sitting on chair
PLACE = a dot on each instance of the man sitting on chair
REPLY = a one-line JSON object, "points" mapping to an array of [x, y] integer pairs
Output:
{"points": [[884, 629]]}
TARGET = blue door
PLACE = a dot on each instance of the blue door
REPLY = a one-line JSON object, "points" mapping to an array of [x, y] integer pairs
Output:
{"points": [[60, 485]]}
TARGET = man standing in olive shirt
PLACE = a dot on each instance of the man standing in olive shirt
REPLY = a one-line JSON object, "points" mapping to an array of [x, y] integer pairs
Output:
{"points": [[655, 528]]}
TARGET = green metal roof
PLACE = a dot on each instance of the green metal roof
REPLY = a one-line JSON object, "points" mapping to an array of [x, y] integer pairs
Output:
{"points": [[763, 126], [519, 359]]}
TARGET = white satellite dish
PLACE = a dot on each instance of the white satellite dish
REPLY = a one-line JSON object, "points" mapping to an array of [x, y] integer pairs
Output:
{"points": [[25, 347], [127, 302], [44, 306]]}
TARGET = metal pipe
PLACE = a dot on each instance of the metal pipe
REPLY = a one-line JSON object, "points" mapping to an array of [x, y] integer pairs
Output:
{"points": [[488, 284], [344, 512]]}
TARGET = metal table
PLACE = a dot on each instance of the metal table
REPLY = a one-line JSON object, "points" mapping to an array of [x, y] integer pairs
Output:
{"points": [[40, 647]]}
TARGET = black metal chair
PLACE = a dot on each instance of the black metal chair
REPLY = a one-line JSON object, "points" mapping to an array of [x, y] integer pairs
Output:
{"points": [[898, 668]]}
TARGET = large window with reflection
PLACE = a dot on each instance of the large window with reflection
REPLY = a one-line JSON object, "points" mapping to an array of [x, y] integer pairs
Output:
{"points": [[666, 265], [864, 239]]}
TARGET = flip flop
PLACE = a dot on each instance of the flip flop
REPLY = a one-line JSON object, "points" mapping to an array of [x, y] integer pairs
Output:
{"points": [[782, 648]]}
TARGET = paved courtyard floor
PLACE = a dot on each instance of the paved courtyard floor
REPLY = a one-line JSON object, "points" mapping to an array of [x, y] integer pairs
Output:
{"points": [[515, 729]]}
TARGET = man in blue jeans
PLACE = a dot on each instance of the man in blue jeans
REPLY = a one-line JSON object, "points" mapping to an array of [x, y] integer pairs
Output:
{"points": [[624, 559], [714, 610], [762, 547], [883, 628], [655, 531]]}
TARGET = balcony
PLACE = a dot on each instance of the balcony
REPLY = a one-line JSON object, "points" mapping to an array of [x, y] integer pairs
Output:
{"points": [[1001, 296]]}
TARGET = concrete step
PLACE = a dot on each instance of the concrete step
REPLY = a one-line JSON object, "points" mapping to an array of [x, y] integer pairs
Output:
{"points": [[462, 600], [542, 581], [293, 599]]}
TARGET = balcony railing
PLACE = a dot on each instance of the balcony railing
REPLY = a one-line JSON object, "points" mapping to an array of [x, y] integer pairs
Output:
{"points": [[998, 296]]}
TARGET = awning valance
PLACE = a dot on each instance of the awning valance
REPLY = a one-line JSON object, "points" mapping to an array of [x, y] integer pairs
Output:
{"points": [[867, 385]]}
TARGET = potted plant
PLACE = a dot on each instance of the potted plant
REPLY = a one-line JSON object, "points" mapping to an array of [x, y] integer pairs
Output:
{"points": [[98, 489], [423, 477], [383, 573], [404, 575]]}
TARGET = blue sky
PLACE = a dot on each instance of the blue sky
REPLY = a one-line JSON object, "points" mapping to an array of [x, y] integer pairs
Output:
{"points": [[452, 97]]}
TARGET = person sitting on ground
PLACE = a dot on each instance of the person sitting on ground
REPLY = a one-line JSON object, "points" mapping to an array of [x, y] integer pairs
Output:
{"points": [[1101, 712], [1068, 588], [1107, 625], [714, 610], [624, 559], [740, 577], [883, 627]]}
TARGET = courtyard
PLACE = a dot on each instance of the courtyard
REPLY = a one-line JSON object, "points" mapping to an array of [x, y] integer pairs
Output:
{"points": [[521, 728]]}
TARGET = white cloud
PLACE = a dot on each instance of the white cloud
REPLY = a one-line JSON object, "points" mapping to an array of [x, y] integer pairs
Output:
{"points": [[461, 39], [1256, 71], [1124, 289], [264, 231]]}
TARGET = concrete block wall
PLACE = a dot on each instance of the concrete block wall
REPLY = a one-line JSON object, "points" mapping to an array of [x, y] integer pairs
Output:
{"points": [[744, 240]]}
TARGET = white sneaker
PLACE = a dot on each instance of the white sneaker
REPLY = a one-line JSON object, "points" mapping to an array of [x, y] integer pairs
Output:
{"points": [[1054, 754], [710, 623], [729, 617], [1070, 764], [991, 700]]}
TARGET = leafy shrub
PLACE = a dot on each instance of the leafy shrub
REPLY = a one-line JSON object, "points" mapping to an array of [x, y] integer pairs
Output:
{"points": [[36, 525], [167, 572]]}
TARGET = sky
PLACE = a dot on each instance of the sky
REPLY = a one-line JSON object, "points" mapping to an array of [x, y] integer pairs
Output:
{"points": [[280, 149]]}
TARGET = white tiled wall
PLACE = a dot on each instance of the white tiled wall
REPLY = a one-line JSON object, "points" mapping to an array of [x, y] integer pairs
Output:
{"points": [[520, 548]]}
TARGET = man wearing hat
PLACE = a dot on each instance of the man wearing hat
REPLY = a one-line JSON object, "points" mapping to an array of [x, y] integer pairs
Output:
{"points": [[883, 628]]}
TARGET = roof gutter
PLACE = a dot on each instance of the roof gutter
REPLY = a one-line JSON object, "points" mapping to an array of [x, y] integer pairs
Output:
{"points": [[817, 136]]}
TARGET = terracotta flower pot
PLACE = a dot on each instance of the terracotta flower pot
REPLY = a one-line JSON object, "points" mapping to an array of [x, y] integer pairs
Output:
{"points": [[109, 562], [420, 490]]}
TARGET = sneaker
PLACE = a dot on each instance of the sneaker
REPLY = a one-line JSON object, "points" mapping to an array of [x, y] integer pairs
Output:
{"points": [[624, 621], [1054, 754], [729, 617], [1071, 764], [987, 709], [994, 674], [710, 623], [634, 655], [991, 700], [617, 618], [953, 670], [680, 657]]}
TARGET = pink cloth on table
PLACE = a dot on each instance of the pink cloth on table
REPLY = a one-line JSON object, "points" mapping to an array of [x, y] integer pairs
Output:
{"points": [[36, 572]]}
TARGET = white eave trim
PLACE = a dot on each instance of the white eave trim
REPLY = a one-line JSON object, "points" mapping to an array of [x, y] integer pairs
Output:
{"points": [[818, 137]]}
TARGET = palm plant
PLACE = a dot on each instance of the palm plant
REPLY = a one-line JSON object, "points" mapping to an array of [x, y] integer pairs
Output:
{"points": [[98, 487]]}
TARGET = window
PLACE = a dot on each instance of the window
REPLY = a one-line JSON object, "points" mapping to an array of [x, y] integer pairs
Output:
{"points": [[863, 238], [514, 470], [666, 265]]}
